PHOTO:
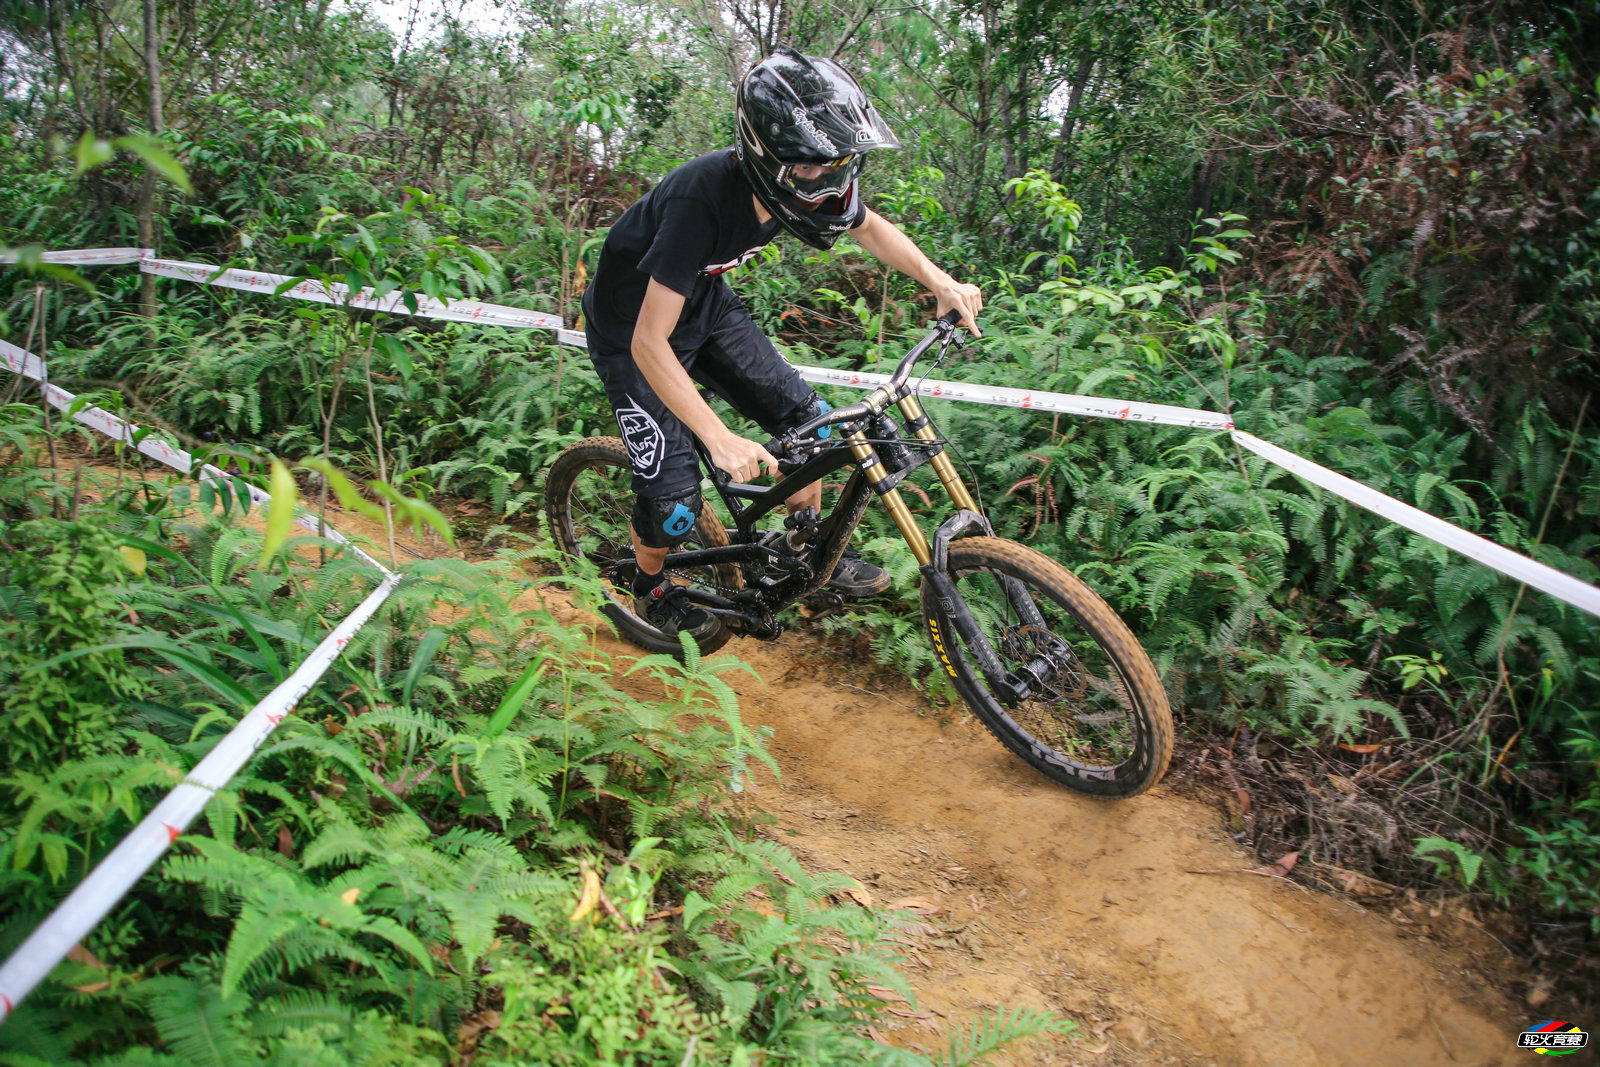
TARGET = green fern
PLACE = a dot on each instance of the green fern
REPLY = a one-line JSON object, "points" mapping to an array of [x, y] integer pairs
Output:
{"points": [[992, 1033]]}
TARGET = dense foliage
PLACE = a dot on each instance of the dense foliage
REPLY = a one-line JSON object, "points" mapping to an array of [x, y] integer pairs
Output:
{"points": [[468, 842], [1366, 230]]}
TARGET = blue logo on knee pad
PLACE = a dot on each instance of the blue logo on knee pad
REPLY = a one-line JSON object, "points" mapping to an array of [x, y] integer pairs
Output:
{"points": [[679, 522]]}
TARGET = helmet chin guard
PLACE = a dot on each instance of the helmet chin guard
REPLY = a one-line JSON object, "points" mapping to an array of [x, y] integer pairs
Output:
{"points": [[805, 127]]}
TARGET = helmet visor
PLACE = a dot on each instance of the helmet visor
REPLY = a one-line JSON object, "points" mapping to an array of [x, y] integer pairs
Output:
{"points": [[813, 183]]}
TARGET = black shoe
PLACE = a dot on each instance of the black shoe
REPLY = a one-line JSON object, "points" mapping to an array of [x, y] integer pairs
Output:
{"points": [[855, 578], [668, 608]]}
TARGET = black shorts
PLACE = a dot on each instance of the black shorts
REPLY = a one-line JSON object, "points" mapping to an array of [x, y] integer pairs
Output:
{"points": [[737, 362]]}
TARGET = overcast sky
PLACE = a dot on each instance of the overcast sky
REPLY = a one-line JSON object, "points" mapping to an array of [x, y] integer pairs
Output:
{"points": [[488, 16]]}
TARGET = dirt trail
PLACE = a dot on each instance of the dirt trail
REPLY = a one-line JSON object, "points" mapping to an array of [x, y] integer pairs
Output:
{"points": [[1047, 899]]}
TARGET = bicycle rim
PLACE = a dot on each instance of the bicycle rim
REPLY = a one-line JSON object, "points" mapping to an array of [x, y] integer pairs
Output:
{"points": [[1098, 720]]}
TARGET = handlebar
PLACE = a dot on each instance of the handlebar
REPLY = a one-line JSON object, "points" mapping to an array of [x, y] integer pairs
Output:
{"points": [[944, 330]]}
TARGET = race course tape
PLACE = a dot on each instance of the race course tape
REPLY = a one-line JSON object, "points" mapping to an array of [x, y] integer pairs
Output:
{"points": [[128, 862], [1513, 564], [1558, 584], [122, 868], [30, 366], [306, 288]]}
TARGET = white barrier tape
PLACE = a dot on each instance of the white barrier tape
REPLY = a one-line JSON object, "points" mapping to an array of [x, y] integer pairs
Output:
{"points": [[338, 293], [497, 315], [1002, 396], [1558, 584], [94, 257], [151, 445], [1501, 559], [122, 868]]}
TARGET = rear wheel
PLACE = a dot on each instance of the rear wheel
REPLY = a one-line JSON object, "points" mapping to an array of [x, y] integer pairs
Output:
{"points": [[1096, 719], [589, 502]]}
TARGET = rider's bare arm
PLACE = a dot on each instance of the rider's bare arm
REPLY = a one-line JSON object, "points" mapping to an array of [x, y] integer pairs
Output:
{"points": [[885, 241], [739, 456]]}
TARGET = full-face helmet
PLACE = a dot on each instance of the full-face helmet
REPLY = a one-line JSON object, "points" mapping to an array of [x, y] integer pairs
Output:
{"points": [[807, 112]]}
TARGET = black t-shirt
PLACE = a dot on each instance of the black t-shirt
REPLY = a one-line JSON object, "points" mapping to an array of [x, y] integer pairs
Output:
{"points": [[693, 227]]}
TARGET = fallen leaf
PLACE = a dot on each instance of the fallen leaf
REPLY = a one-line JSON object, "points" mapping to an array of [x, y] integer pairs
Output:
{"points": [[93, 987], [1101, 1051], [133, 557], [888, 996], [1100, 1029], [1360, 750], [79, 954], [916, 905], [904, 1014], [285, 841], [1281, 868], [1343, 784], [857, 894], [469, 1031], [590, 897], [875, 1034], [349, 895]]}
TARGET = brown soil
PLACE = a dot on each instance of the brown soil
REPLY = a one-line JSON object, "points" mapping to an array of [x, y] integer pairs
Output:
{"points": [[1142, 920]]}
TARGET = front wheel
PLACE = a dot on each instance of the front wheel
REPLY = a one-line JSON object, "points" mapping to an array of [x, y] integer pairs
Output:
{"points": [[1096, 717], [588, 500]]}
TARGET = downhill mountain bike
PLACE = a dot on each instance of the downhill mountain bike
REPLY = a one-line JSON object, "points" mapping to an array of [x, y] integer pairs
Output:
{"points": [[1043, 662]]}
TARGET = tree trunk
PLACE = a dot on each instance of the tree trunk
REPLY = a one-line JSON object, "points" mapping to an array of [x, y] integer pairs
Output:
{"points": [[1061, 164], [147, 189]]}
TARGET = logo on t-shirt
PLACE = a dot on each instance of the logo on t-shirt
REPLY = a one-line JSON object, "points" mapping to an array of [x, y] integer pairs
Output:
{"points": [[722, 268], [644, 439]]}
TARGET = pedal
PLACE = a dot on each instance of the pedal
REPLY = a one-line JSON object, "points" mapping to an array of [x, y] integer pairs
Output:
{"points": [[824, 600], [802, 522]]}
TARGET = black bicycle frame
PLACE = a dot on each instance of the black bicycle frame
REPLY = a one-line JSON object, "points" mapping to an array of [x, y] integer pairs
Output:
{"points": [[750, 503]]}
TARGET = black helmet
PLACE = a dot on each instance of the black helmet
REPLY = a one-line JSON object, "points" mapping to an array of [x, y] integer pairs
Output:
{"points": [[806, 110]]}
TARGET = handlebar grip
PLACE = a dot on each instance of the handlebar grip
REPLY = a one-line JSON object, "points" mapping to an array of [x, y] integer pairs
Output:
{"points": [[951, 317], [778, 447]]}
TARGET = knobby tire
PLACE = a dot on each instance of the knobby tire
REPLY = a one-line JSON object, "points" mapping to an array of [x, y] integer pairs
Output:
{"points": [[1102, 726]]}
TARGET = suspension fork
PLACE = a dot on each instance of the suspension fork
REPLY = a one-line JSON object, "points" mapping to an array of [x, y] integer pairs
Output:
{"points": [[877, 476], [921, 426]]}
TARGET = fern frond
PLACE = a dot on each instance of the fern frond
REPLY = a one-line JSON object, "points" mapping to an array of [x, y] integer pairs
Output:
{"points": [[992, 1033]]}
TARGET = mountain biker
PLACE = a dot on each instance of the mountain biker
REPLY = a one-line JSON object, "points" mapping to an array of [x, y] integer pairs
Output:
{"points": [[662, 321]]}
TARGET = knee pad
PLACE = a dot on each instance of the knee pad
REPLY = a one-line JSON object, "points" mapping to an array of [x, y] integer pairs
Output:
{"points": [[662, 522]]}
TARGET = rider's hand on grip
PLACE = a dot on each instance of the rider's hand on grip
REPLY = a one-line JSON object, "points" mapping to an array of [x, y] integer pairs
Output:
{"points": [[741, 457], [963, 301]]}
